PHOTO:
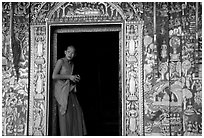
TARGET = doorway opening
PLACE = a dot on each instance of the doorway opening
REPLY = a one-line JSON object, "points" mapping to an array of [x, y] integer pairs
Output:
{"points": [[99, 94]]}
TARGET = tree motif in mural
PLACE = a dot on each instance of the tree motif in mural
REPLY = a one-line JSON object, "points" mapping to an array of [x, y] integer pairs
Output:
{"points": [[171, 62], [15, 68]]}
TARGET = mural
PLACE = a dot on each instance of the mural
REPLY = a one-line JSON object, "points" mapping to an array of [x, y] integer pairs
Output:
{"points": [[171, 69], [15, 55], [162, 47]]}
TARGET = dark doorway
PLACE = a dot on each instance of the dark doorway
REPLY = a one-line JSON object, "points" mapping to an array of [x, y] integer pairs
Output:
{"points": [[97, 62]]}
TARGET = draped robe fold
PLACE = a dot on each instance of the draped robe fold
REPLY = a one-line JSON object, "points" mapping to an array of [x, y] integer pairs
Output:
{"points": [[71, 118]]}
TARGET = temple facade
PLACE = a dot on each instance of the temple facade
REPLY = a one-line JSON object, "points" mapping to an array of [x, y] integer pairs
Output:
{"points": [[160, 62]]}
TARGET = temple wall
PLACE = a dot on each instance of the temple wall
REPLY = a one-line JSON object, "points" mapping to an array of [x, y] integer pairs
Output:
{"points": [[162, 58]]}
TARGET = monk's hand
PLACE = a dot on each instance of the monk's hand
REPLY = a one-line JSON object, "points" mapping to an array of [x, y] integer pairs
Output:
{"points": [[77, 79], [74, 78]]}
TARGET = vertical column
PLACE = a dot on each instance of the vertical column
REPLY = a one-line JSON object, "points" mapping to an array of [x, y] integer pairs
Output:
{"points": [[7, 59], [38, 81], [198, 47], [149, 63], [191, 85], [199, 37], [161, 89], [175, 60], [134, 94], [192, 82]]}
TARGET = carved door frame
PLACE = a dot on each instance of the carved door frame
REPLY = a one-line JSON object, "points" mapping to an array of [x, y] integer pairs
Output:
{"points": [[86, 27], [131, 73]]}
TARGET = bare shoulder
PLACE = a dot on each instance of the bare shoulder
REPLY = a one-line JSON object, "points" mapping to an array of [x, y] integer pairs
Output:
{"points": [[59, 62]]}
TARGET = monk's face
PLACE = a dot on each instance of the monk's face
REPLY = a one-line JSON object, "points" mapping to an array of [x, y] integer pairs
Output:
{"points": [[70, 53]]}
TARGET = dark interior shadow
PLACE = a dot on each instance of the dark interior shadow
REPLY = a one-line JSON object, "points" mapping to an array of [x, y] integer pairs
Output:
{"points": [[97, 62]]}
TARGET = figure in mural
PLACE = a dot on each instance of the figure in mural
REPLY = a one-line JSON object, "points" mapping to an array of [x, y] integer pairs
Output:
{"points": [[171, 34], [71, 119]]}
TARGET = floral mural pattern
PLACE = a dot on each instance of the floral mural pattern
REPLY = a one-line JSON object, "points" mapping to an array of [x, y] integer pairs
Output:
{"points": [[171, 62], [15, 55]]}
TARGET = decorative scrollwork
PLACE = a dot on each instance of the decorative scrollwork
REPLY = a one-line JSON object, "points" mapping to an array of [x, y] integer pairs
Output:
{"points": [[105, 11], [134, 78], [169, 60], [38, 98]]}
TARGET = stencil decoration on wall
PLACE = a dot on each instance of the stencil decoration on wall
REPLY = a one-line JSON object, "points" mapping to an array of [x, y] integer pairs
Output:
{"points": [[15, 76], [90, 11], [171, 43], [38, 96], [134, 91]]}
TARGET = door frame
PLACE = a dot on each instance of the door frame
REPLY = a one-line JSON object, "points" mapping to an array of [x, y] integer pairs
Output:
{"points": [[131, 55], [86, 27]]}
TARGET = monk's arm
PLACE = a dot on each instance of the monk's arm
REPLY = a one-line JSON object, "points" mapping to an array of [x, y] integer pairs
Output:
{"points": [[56, 73]]}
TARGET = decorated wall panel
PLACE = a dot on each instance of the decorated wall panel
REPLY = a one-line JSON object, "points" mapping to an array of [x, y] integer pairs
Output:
{"points": [[170, 107], [15, 56], [133, 68], [161, 68], [38, 79]]}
